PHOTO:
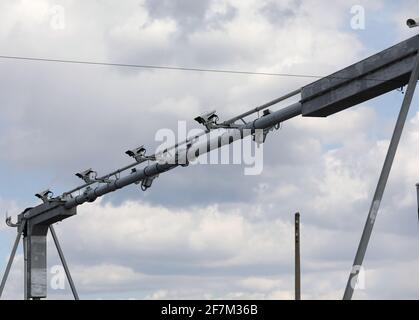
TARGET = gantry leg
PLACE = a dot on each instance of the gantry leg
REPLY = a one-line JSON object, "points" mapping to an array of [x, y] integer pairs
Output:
{"points": [[64, 263], [375, 205], [10, 262]]}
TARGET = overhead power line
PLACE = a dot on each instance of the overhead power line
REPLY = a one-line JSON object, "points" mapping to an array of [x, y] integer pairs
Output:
{"points": [[143, 66]]}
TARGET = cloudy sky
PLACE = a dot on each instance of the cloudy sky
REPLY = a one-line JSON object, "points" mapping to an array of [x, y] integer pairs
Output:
{"points": [[206, 231]]}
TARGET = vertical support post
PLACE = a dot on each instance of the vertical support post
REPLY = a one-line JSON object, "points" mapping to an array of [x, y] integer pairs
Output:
{"points": [[10, 262], [417, 190], [378, 195], [25, 269], [36, 261], [297, 258], [64, 263]]}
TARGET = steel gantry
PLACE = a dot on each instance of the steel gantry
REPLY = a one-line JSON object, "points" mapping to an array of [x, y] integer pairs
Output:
{"points": [[385, 71]]}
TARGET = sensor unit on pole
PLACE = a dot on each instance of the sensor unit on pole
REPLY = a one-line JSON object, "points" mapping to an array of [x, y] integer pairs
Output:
{"points": [[86, 175], [412, 23], [45, 195], [138, 153], [209, 120]]}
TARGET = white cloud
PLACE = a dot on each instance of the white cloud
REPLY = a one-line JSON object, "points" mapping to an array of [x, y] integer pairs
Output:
{"points": [[99, 278]]}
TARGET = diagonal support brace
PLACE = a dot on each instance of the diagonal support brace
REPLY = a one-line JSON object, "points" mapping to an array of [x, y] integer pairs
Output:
{"points": [[378, 195], [10, 262], [64, 263]]}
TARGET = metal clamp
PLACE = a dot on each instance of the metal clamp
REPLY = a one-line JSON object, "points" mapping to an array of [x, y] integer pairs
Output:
{"points": [[10, 223]]}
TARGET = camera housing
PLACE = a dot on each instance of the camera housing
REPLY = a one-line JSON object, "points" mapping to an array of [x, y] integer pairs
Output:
{"points": [[138, 153], [412, 23], [209, 120], [45, 195], [86, 175]]}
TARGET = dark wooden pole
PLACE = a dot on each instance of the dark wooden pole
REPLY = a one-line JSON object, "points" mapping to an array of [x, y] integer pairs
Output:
{"points": [[417, 190], [297, 258]]}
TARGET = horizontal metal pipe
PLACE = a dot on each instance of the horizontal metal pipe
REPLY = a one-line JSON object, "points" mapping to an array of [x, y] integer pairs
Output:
{"points": [[230, 121], [231, 135], [156, 168], [182, 143], [264, 106], [276, 117], [104, 177], [248, 113], [92, 194]]}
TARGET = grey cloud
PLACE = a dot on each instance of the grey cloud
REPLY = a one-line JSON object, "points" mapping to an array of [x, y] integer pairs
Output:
{"points": [[189, 14], [278, 14]]}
